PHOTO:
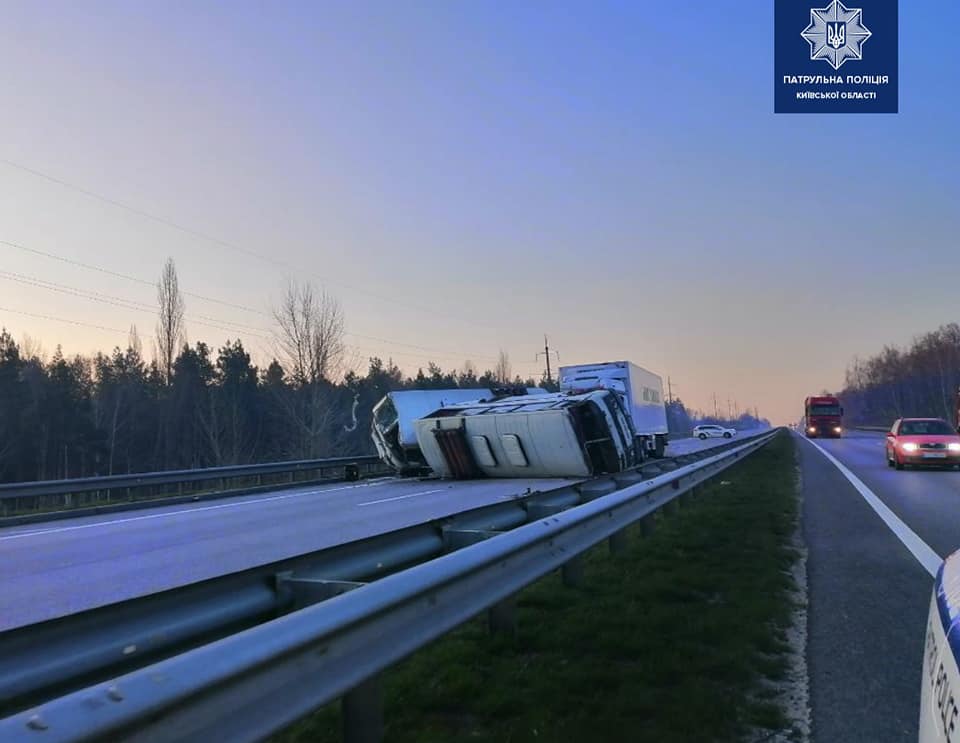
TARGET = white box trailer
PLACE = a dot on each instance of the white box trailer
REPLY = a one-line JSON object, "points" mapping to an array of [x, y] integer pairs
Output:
{"points": [[640, 390], [393, 431], [555, 435]]}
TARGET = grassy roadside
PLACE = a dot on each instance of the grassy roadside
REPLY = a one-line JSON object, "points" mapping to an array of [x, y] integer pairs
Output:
{"points": [[673, 641]]}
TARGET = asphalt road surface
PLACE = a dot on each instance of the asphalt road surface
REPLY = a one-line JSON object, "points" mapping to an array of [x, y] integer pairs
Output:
{"points": [[62, 567], [868, 593]]}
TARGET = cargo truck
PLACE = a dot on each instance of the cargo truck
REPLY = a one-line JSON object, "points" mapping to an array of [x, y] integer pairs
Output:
{"points": [[562, 434], [822, 416], [641, 393]]}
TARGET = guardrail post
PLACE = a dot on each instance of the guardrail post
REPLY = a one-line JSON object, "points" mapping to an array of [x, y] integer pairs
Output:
{"points": [[502, 617], [672, 506], [306, 590], [647, 525], [572, 572], [618, 542], [362, 709]]}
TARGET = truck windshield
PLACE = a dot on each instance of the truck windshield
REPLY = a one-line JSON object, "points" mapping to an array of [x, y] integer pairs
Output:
{"points": [[385, 414], [824, 410]]}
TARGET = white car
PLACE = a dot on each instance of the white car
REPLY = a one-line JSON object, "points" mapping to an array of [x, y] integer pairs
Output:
{"points": [[710, 431]]}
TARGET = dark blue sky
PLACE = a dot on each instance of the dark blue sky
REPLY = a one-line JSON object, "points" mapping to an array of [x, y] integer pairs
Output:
{"points": [[610, 173]]}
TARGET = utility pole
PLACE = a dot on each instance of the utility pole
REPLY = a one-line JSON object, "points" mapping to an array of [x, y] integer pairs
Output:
{"points": [[669, 391], [716, 411], [546, 352]]}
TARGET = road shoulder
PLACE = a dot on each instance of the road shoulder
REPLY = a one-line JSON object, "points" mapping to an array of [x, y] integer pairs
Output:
{"points": [[867, 606]]}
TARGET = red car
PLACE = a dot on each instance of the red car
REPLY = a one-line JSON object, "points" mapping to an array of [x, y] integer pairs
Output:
{"points": [[923, 441]]}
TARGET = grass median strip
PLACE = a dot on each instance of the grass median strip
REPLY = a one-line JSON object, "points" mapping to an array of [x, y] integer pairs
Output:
{"points": [[679, 638]]}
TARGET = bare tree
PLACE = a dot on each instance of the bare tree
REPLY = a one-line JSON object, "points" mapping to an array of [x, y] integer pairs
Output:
{"points": [[133, 341], [309, 342], [503, 371], [171, 333], [309, 338], [32, 349]]}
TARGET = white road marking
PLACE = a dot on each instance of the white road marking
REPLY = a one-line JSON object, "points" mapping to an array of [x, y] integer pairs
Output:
{"points": [[401, 497], [185, 510], [929, 559]]}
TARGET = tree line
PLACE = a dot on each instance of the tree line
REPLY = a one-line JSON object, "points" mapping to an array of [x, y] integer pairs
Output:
{"points": [[119, 413], [920, 380], [192, 406], [195, 406]]}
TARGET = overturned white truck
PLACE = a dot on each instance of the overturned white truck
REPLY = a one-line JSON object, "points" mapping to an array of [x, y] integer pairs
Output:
{"points": [[606, 418], [393, 429], [552, 435]]}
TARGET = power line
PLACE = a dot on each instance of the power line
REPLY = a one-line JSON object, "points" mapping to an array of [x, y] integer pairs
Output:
{"points": [[127, 277], [204, 297], [80, 323], [128, 304], [223, 243], [65, 320], [465, 356]]}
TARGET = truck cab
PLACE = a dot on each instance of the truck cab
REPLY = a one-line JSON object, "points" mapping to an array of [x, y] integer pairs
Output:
{"points": [[640, 392], [823, 417]]}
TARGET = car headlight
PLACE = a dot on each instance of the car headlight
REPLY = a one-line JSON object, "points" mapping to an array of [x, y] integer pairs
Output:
{"points": [[909, 446], [953, 447], [837, 429], [812, 429]]}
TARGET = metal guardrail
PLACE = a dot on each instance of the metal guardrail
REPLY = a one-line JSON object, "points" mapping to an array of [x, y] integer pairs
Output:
{"points": [[90, 491], [252, 683]]}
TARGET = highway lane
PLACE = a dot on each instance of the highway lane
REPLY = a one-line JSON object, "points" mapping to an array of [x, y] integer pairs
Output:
{"points": [[62, 567], [928, 500], [679, 447], [868, 595], [76, 564]]}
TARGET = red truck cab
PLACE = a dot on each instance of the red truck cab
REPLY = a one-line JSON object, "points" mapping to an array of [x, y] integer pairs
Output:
{"points": [[823, 416]]}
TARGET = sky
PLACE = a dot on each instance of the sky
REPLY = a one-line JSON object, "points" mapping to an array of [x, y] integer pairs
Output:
{"points": [[465, 177]]}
